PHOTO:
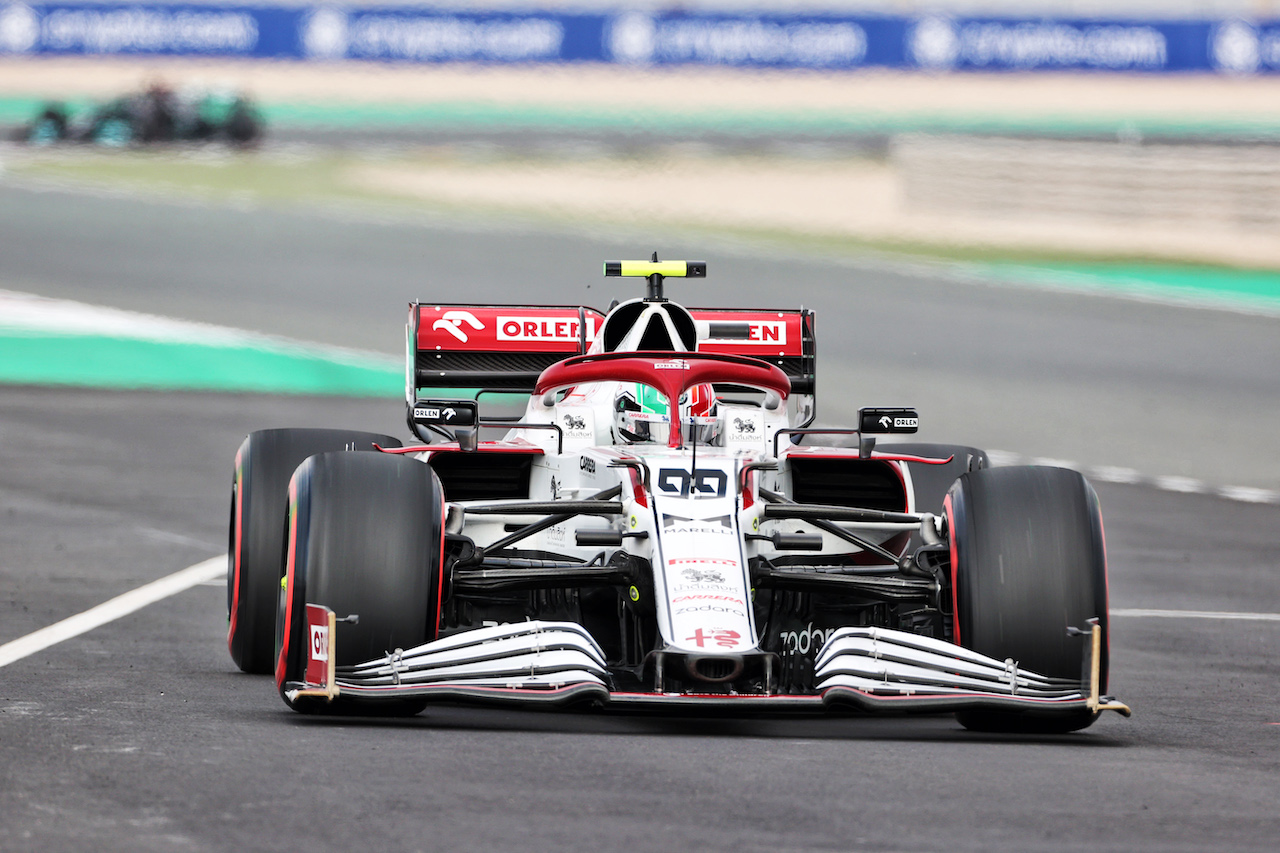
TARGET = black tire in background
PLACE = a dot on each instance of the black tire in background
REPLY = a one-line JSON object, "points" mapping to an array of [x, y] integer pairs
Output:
{"points": [[255, 551], [366, 541], [1029, 562], [929, 482], [243, 126], [49, 127], [932, 482]]}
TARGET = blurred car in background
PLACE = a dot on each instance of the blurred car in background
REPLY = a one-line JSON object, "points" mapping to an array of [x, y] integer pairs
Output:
{"points": [[156, 114]]}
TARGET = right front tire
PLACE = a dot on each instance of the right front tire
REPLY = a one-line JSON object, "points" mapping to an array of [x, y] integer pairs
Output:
{"points": [[365, 539]]}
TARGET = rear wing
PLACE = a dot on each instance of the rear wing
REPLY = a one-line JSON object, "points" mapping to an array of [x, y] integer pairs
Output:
{"points": [[782, 338], [504, 348], [492, 347]]}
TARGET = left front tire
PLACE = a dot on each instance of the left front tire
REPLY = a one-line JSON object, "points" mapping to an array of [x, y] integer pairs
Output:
{"points": [[1028, 562]]}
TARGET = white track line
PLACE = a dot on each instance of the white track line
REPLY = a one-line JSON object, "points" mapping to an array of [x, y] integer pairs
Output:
{"points": [[109, 611], [1198, 614], [1113, 474], [32, 314], [212, 568]]}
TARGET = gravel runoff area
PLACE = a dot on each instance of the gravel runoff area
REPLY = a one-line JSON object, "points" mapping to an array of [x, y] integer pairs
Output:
{"points": [[840, 198]]}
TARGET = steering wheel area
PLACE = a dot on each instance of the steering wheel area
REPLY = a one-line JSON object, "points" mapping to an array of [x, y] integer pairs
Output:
{"points": [[672, 373]]}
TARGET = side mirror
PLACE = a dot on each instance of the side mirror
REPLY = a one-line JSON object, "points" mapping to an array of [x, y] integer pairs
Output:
{"points": [[887, 421], [445, 413], [461, 418]]}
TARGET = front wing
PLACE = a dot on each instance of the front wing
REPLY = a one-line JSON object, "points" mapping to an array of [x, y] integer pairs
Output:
{"points": [[869, 670]]}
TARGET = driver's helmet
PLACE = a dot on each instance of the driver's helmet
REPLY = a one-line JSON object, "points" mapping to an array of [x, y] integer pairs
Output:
{"points": [[641, 414]]}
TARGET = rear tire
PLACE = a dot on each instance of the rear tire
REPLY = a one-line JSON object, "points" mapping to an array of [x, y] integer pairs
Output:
{"points": [[931, 482], [113, 132], [1028, 561], [255, 550], [243, 126], [49, 128], [366, 540]]}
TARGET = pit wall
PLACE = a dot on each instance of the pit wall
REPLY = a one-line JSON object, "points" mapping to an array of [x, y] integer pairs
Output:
{"points": [[640, 37]]}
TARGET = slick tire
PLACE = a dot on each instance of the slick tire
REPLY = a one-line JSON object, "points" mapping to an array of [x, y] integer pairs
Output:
{"points": [[255, 550], [49, 128], [243, 127], [931, 482], [366, 539], [1028, 562], [113, 132]]}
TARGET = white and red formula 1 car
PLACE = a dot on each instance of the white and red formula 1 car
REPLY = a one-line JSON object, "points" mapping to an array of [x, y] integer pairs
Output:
{"points": [[661, 528]]}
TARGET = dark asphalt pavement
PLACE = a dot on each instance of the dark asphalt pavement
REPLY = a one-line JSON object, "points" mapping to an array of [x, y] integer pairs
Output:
{"points": [[1097, 381], [141, 736]]}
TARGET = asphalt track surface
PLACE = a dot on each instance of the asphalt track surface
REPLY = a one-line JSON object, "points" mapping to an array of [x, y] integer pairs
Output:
{"points": [[140, 735], [1097, 381]]}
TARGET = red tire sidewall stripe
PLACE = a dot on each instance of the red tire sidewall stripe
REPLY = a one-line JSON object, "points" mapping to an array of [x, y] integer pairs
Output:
{"points": [[1106, 588], [290, 561], [955, 563], [444, 510], [235, 557]]}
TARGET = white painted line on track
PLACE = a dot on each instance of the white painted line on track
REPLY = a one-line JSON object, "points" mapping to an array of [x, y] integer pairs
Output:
{"points": [[32, 314], [175, 538], [1128, 476], [1197, 614], [109, 611], [211, 569]]}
